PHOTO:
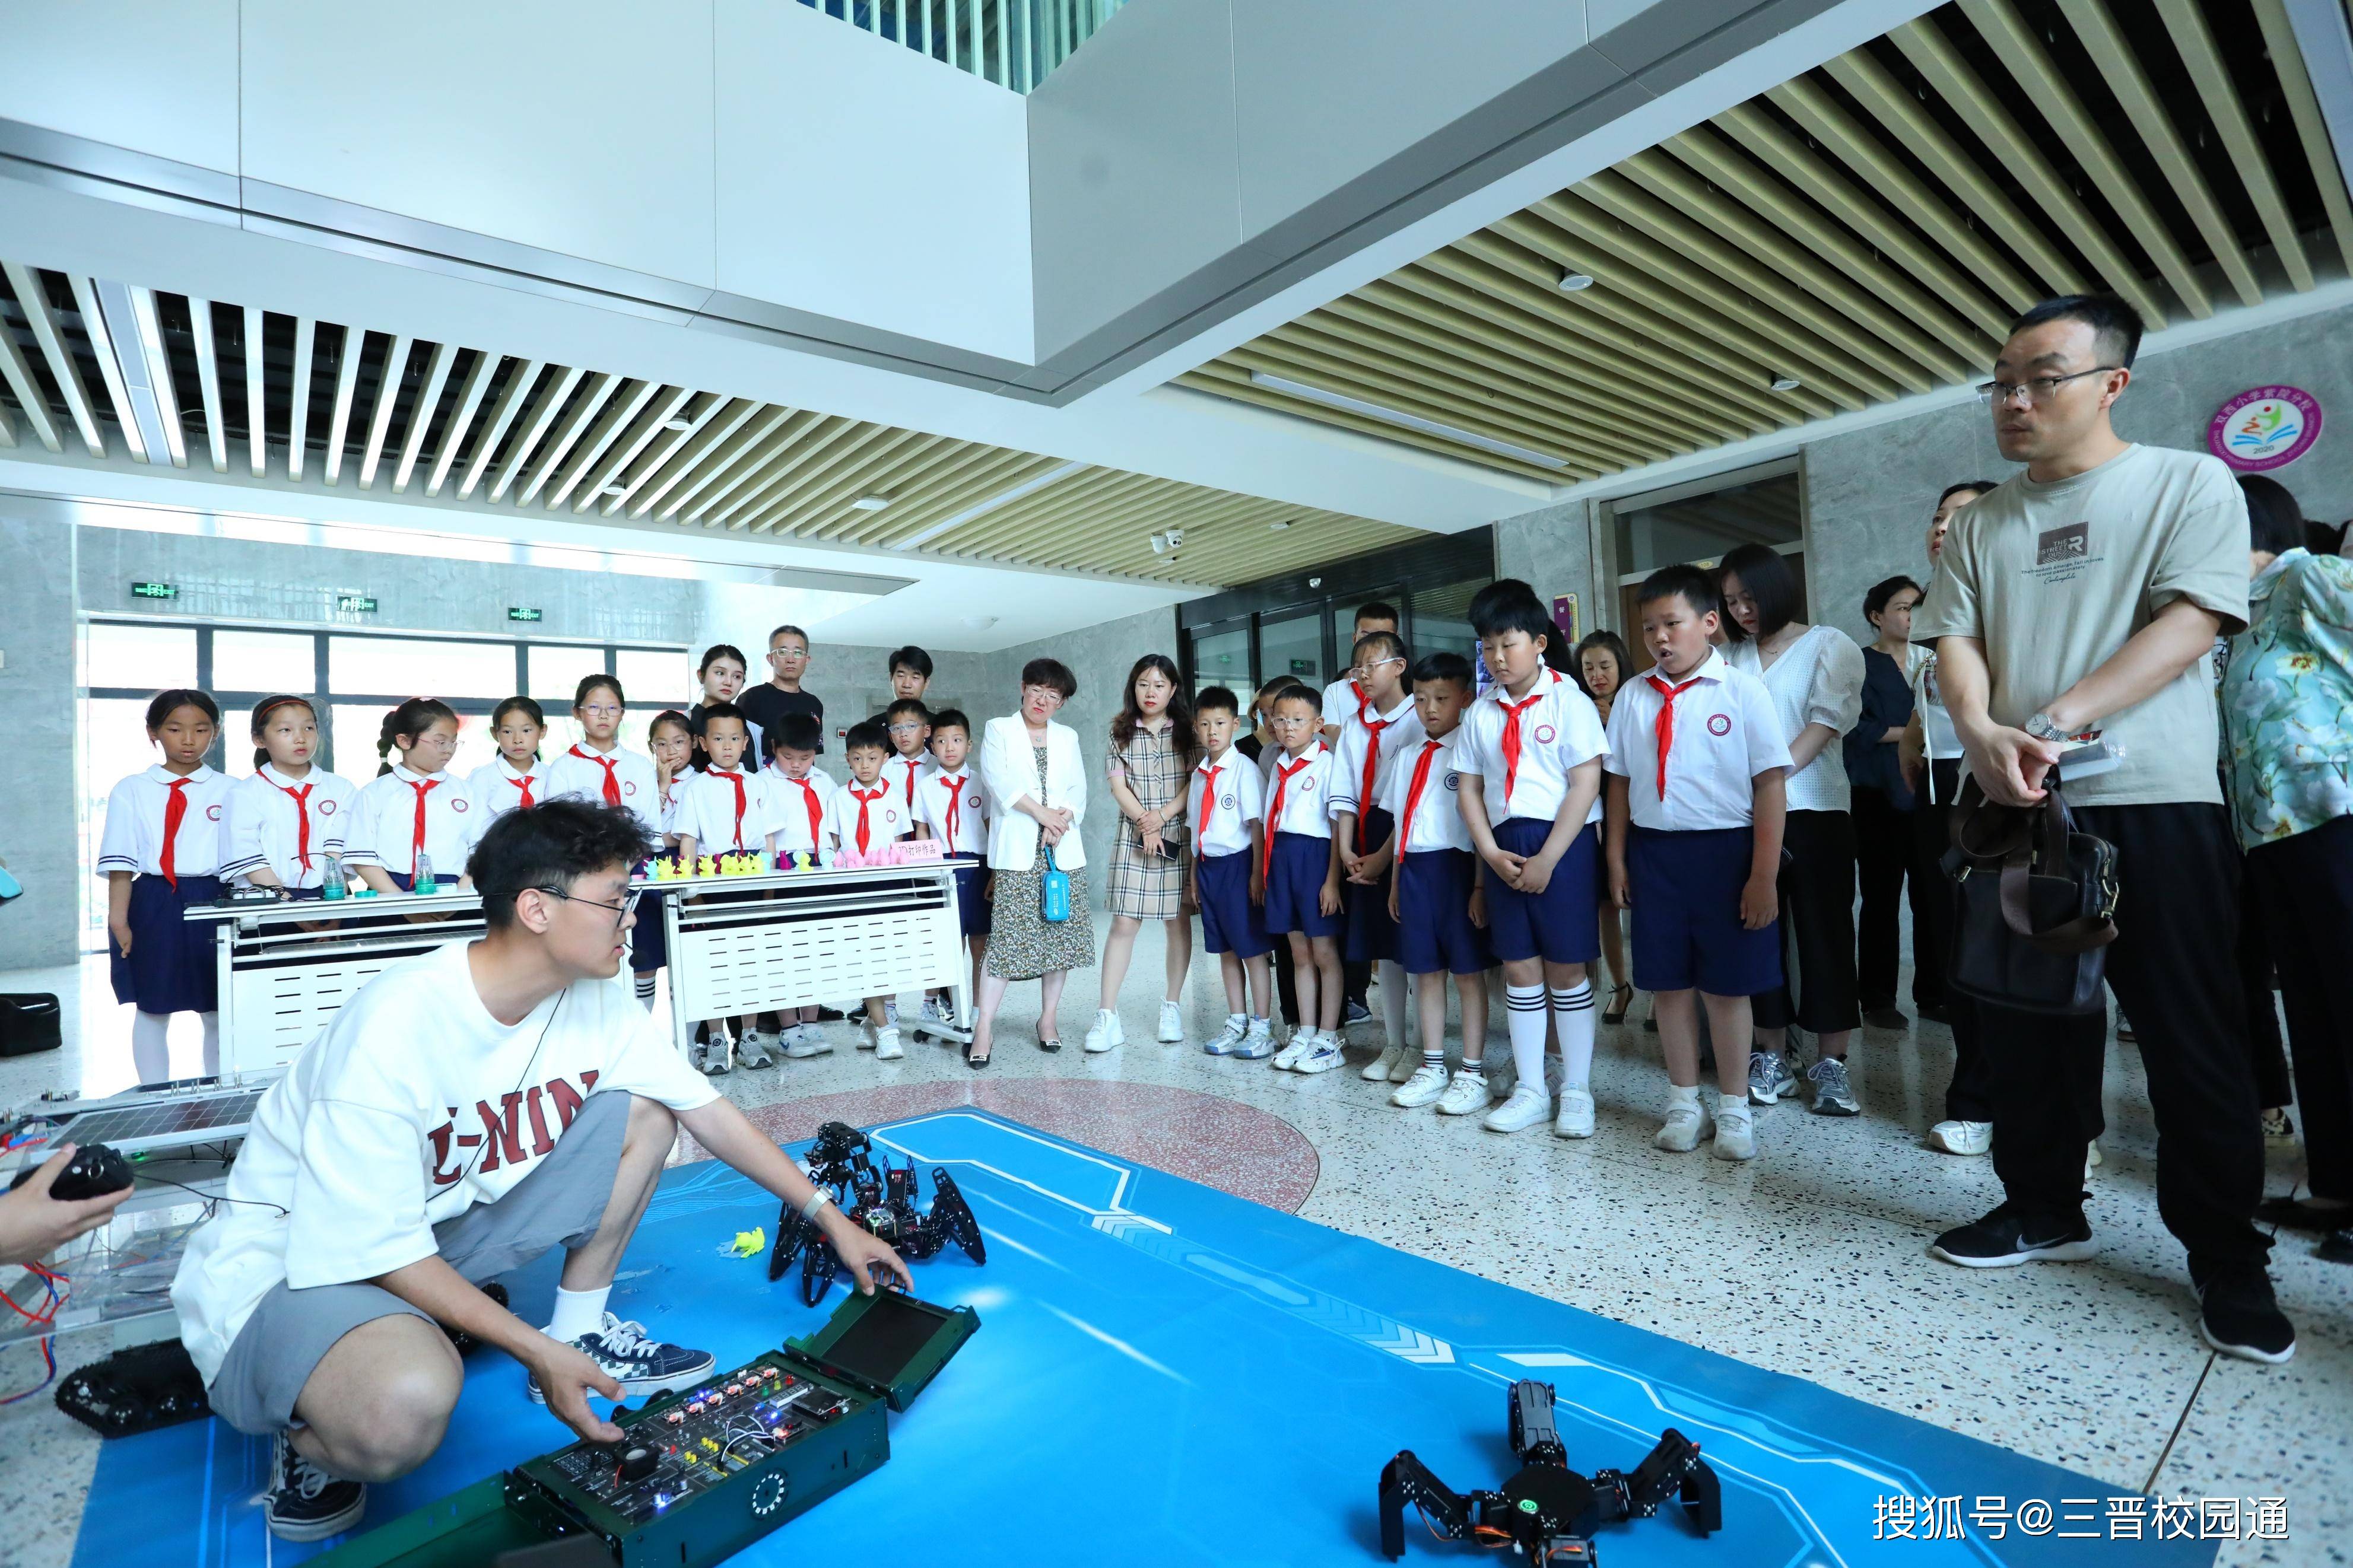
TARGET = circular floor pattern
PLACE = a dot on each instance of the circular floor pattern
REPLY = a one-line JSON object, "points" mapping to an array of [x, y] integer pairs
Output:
{"points": [[1235, 1148]]}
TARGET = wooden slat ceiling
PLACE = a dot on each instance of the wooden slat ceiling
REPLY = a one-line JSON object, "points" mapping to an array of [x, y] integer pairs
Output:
{"points": [[1867, 229], [347, 407]]}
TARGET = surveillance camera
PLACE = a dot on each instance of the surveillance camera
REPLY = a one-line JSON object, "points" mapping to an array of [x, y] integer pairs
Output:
{"points": [[1175, 537], [1160, 544], [1316, 581]]}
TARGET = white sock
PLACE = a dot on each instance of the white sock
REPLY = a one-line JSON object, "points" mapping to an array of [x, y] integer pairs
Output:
{"points": [[646, 988], [1677, 1095], [1732, 1105], [1526, 1020], [578, 1312], [211, 1022], [1394, 996], [151, 1045], [1237, 1020], [1572, 1015]]}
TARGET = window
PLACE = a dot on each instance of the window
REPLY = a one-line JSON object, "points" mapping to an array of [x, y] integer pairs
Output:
{"points": [[655, 680], [1292, 645], [140, 659], [1699, 524], [1221, 657], [556, 674], [262, 661], [402, 668]]}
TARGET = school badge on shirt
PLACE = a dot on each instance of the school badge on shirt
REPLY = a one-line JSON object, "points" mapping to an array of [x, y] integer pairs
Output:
{"points": [[1719, 724]]}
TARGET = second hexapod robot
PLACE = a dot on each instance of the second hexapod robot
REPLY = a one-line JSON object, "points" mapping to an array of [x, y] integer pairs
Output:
{"points": [[883, 1198]]}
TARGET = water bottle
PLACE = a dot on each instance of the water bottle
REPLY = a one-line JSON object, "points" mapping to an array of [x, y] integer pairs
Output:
{"points": [[423, 883], [332, 888]]}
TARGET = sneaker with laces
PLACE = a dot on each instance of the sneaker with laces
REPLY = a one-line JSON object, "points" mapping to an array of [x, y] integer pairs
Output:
{"points": [[1426, 1085], [1526, 1106], [1576, 1119], [1768, 1079], [1377, 1069], [640, 1365], [887, 1047], [304, 1502], [935, 1011], [2238, 1315], [1172, 1024], [1735, 1134], [809, 1042], [712, 1058], [1302, 1040], [1961, 1137], [1106, 1032], [1679, 1134], [1356, 1012], [1833, 1094], [1228, 1039], [2009, 1236], [1465, 1093], [1257, 1042], [757, 1049], [1323, 1057]]}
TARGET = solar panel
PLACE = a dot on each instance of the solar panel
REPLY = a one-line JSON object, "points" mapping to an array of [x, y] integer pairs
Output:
{"points": [[167, 1122]]}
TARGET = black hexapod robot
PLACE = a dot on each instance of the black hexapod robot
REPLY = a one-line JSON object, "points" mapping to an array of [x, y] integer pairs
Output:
{"points": [[881, 1198], [1547, 1511]]}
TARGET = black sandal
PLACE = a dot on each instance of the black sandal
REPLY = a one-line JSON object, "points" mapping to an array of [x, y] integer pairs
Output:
{"points": [[974, 1062], [1615, 1012], [1045, 1044]]}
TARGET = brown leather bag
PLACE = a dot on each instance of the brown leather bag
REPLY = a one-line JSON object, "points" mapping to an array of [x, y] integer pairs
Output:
{"points": [[2036, 904]]}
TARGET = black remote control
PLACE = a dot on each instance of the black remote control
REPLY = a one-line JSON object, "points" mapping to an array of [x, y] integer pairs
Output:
{"points": [[93, 1172]]}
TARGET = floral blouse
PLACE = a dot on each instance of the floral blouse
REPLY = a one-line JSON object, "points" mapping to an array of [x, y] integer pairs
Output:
{"points": [[2287, 699]]}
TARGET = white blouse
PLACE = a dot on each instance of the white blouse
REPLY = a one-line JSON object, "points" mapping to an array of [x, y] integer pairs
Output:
{"points": [[1817, 680]]}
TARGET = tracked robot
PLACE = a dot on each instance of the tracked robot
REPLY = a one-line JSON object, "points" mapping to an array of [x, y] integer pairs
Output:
{"points": [[1546, 1511], [883, 1198]]}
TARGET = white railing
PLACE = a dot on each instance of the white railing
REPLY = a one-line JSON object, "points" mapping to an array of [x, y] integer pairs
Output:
{"points": [[1013, 42]]}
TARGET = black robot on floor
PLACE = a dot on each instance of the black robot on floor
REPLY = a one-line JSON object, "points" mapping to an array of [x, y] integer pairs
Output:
{"points": [[883, 1199]]}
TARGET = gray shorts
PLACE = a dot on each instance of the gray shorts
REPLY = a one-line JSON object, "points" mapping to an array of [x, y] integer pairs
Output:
{"points": [[562, 1203]]}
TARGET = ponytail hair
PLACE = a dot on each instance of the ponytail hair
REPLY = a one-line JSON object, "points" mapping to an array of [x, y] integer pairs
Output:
{"points": [[164, 702], [261, 713], [589, 683], [524, 705], [407, 721]]}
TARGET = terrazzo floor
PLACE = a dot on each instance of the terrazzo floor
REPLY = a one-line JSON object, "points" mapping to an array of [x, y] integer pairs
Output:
{"points": [[1811, 1261]]}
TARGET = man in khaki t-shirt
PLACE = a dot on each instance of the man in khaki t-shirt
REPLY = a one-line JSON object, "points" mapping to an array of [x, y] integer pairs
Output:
{"points": [[2083, 599]]}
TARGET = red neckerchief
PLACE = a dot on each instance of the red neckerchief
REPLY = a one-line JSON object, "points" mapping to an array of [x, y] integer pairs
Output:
{"points": [[737, 780], [1664, 727], [1511, 711], [1282, 777], [612, 783], [864, 800], [423, 788], [1413, 792], [954, 824], [301, 799], [175, 811], [1373, 727]]}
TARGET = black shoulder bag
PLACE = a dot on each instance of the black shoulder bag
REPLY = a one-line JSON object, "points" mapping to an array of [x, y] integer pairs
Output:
{"points": [[2037, 904]]}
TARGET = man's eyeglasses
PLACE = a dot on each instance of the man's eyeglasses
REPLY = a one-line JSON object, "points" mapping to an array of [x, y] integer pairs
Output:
{"points": [[788, 651], [2033, 390], [620, 910]]}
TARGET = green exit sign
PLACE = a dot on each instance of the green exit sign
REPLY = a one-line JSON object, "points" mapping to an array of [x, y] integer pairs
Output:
{"points": [[154, 590], [523, 613], [1302, 666], [355, 605]]}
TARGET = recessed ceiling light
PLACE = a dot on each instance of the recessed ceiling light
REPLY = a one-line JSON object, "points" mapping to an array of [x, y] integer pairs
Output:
{"points": [[1409, 421], [678, 422], [871, 504], [1570, 282], [1279, 527], [1785, 383], [617, 490]]}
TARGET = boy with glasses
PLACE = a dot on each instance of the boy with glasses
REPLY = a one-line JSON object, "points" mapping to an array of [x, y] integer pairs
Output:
{"points": [[363, 1214]]}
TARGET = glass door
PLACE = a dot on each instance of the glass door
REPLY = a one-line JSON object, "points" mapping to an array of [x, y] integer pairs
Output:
{"points": [[1219, 655], [1290, 642]]}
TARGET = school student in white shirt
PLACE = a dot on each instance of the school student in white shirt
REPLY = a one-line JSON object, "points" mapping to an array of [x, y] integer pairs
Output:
{"points": [[1229, 831], [862, 816], [1372, 738], [1531, 759], [363, 1214], [670, 740], [598, 767], [1302, 874], [515, 777], [951, 806], [413, 808], [725, 809], [907, 725], [284, 822], [159, 852], [1696, 766]]}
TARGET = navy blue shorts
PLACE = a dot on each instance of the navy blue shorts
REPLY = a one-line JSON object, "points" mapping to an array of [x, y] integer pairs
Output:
{"points": [[173, 966], [972, 910], [1294, 876], [1560, 925], [1371, 934], [1687, 931], [1434, 897], [1229, 921]]}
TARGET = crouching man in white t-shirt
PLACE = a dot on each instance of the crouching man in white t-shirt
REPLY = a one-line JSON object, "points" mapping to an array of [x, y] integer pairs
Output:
{"points": [[467, 1110]]}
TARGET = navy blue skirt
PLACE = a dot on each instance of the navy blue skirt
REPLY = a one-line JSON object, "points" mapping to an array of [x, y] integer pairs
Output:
{"points": [[649, 938], [1371, 933], [973, 917], [173, 966]]}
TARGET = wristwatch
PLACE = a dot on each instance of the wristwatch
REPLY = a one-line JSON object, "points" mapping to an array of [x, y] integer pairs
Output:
{"points": [[2041, 727]]}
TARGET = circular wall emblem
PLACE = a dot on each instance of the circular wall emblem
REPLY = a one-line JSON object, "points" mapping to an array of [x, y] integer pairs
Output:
{"points": [[212, 813], [1544, 733], [326, 808], [2264, 427], [457, 803], [1719, 723]]}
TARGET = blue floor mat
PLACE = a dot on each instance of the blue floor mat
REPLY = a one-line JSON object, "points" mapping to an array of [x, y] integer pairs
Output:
{"points": [[1168, 1374]]}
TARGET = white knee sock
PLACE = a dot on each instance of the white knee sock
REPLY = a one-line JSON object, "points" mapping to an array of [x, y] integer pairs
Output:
{"points": [[1394, 995], [646, 988], [1526, 1023], [1572, 1013], [578, 1312], [151, 1046], [212, 1043]]}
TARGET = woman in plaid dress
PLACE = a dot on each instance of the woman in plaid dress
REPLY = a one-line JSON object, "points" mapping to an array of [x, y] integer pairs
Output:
{"points": [[1151, 759]]}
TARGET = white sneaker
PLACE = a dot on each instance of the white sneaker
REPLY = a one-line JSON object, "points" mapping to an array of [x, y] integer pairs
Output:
{"points": [[1961, 1137], [755, 1050], [1427, 1084], [886, 1044], [1527, 1106], [1409, 1063], [866, 1031], [1302, 1040], [1679, 1134], [1105, 1032], [1735, 1136], [1257, 1042], [1172, 1023], [1576, 1120], [809, 1041], [1466, 1093], [935, 1011], [711, 1057], [2091, 1158], [1225, 1041], [1377, 1070], [1326, 1056]]}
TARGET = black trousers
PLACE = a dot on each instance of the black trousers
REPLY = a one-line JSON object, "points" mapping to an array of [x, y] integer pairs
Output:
{"points": [[2176, 911], [2268, 1051], [1970, 1097], [1887, 863], [2303, 888], [1817, 926]]}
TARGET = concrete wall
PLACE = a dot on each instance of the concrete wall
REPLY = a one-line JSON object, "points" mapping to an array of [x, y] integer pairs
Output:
{"points": [[39, 836], [1552, 549]]}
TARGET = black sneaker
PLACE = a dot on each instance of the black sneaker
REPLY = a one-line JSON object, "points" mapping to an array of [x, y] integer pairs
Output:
{"points": [[304, 1502], [2238, 1316], [2009, 1236], [638, 1364]]}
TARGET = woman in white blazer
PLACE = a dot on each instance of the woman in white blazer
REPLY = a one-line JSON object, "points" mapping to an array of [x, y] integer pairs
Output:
{"points": [[1036, 775]]}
